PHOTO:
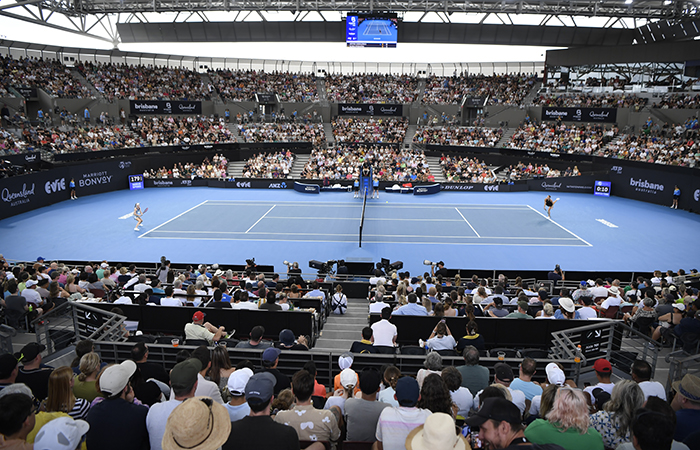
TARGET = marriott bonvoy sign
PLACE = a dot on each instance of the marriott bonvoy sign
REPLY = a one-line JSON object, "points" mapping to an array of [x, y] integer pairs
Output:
{"points": [[164, 107], [606, 115]]}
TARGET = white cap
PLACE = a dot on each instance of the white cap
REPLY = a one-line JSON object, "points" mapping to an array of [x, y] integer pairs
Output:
{"points": [[345, 360], [61, 433], [115, 378], [555, 375], [31, 283], [104, 265], [348, 378], [680, 306], [238, 380]]}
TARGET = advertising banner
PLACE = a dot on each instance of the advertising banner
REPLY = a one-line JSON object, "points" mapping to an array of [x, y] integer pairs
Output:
{"points": [[307, 188], [26, 91], [175, 182], [32, 159], [362, 109], [426, 190], [27, 192], [604, 115], [582, 184], [655, 184], [266, 98], [165, 107], [475, 187]]}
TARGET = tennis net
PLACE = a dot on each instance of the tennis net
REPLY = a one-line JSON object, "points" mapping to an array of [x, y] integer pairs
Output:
{"points": [[362, 217]]}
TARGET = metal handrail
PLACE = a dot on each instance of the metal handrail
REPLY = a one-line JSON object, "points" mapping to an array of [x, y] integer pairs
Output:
{"points": [[681, 366]]}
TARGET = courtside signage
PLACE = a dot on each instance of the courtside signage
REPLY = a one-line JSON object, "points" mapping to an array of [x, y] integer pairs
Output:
{"points": [[164, 107]]}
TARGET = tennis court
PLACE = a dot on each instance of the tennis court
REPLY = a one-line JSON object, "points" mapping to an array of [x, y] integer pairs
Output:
{"points": [[461, 224], [379, 30]]}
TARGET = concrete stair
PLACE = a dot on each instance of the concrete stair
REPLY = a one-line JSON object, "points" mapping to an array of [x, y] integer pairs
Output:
{"points": [[328, 129], [298, 166], [235, 169], [75, 73], [533, 93], [436, 169], [507, 134], [340, 332], [410, 133]]}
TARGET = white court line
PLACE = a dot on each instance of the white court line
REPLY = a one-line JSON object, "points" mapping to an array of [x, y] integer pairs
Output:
{"points": [[465, 219], [550, 219], [391, 204], [370, 242], [179, 215], [126, 216], [263, 216], [373, 235], [367, 218]]}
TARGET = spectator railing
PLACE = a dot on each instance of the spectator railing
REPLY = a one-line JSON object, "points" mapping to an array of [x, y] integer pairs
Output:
{"points": [[291, 361], [680, 367], [604, 339], [71, 322]]}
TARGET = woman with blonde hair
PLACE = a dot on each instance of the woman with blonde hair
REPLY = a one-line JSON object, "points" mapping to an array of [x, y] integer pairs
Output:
{"points": [[479, 296], [61, 398], [72, 287], [84, 383], [614, 421], [567, 424]]}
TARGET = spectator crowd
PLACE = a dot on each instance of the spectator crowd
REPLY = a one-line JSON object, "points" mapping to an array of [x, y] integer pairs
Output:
{"points": [[371, 88], [49, 75], [499, 89], [557, 137], [139, 82], [216, 168], [269, 165], [591, 101], [456, 135], [242, 85], [282, 132], [358, 130]]}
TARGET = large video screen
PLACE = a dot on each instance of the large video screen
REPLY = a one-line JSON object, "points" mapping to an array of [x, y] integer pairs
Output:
{"points": [[371, 30]]}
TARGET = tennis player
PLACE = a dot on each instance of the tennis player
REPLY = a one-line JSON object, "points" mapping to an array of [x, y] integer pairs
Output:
{"points": [[676, 196], [549, 204], [137, 216]]}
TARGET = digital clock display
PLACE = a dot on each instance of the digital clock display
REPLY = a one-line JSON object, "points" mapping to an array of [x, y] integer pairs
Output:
{"points": [[602, 188]]}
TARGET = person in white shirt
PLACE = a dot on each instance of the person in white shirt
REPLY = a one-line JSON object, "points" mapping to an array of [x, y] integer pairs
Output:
{"points": [[641, 374], [205, 388], [613, 299], [441, 338], [599, 290], [384, 333], [169, 300], [587, 312], [461, 396], [30, 293], [183, 381], [603, 371], [242, 302]]}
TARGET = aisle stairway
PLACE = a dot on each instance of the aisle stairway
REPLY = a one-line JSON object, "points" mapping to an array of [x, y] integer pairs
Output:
{"points": [[235, 169], [410, 133], [436, 169], [328, 129], [507, 134], [340, 332], [299, 163]]}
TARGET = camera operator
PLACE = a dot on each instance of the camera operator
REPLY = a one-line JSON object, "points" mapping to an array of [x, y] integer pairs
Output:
{"points": [[440, 271], [294, 275]]}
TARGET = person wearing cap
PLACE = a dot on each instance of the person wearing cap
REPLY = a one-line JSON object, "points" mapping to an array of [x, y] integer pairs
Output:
{"points": [[500, 426], [668, 321], [116, 423], [395, 423], [62, 433], [237, 407], [310, 423], [199, 329], [258, 430], [17, 419], [440, 271], [686, 403], [345, 361], [603, 371], [520, 313], [348, 384], [362, 414], [613, 299], [270, 359], [613, 421], [256, 339], [33, 373], [582, 291], [197, 424], [503, 375], [288, 342], [31, 294], [183, 381], [567, 310], [566, 424], [556, 377]]}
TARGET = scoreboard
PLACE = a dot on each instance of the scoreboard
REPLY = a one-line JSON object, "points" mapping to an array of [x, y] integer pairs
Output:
{"points": [[602, 188], [136, 182]]}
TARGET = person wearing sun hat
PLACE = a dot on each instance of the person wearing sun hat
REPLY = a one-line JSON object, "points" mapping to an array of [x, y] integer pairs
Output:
{"points": [[345, 361], [567, 309], [198, 423], [686, 403], [116, 423], [62, 433], [438, 432]]}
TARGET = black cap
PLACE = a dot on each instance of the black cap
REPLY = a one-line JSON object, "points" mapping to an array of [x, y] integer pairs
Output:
{"points": [[494, 408], [29, 352]]}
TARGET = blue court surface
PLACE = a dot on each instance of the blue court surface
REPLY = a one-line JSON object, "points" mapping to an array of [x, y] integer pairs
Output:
{"points": [[379, 30], [507, 231]]}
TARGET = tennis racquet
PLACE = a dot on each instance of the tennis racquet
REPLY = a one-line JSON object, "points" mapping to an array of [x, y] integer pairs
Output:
{"points": [[146, 210]]}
